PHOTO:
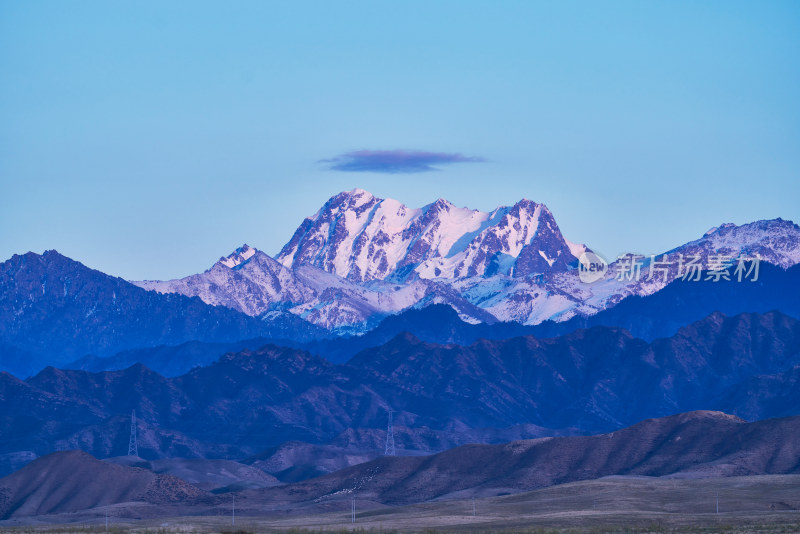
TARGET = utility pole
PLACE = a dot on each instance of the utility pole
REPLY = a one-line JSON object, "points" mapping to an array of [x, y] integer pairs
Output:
{"points": [[233, 511], [353, 510], [133, 448], [473, 507], [718, 502]]}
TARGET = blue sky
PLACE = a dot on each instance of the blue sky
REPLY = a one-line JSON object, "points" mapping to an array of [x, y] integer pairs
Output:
{"points": [[147, 139]]}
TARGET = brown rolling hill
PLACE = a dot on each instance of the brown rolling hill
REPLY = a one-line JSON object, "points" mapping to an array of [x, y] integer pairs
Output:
{"points": [[71, 481], [689, 446], [211, 475], [695, 444], [293, 461]]}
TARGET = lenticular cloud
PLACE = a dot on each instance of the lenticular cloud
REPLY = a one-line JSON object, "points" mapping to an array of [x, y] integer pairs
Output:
{"points": [[395, 161]]}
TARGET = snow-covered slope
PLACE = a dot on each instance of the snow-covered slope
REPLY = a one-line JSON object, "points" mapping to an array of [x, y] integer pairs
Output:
{"points": [[252, 282], [775, 241], [247, 280], [518, 241], [360, 258], [360, 237], [562, 295]]}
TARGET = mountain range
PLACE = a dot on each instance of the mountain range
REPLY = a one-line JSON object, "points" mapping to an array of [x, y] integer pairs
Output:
{"points": [[503, 369], [357, 262], [660, 314], [444, 395], [361, 258]]}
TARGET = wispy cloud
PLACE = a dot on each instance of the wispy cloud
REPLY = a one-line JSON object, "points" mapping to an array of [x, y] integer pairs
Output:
{"points": [[395, 161]]}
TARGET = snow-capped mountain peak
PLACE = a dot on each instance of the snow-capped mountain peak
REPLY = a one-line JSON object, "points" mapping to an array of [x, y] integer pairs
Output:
{"points": [[238, 256], [776, 241], [361, 237]]}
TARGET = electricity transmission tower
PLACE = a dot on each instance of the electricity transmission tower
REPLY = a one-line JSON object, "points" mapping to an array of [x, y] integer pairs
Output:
{"points": [[390, 451], [133, 449]]}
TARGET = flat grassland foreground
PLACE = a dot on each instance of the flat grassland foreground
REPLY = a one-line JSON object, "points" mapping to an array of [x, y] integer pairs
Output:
{"points": [[769, 503]]}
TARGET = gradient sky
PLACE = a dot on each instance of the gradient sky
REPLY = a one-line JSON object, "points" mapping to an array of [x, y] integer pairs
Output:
{"points": [[146, 139]]}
